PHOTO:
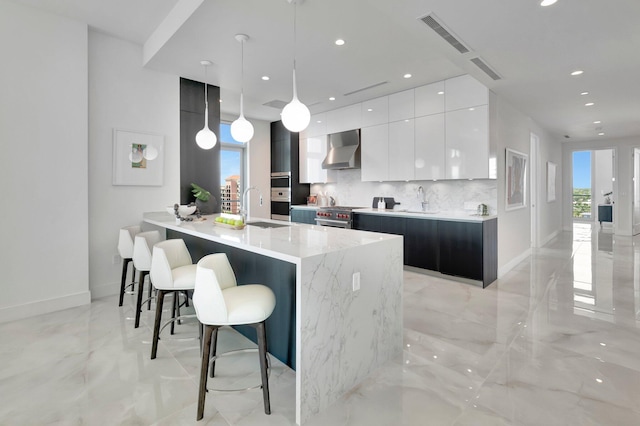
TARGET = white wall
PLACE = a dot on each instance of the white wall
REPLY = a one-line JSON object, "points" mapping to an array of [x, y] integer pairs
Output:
{"points": [[513, 130], [43, 166], [622, 187], [124, 95]]}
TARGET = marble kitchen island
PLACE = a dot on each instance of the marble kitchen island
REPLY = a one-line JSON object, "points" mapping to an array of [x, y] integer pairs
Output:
{"points": [[341, 334]]}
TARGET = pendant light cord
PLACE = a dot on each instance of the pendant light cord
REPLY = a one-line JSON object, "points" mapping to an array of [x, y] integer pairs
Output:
{"points": [[206, 96]]}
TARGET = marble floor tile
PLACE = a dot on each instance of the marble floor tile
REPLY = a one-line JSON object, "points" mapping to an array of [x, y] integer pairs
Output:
{"points": [[555, 341]]}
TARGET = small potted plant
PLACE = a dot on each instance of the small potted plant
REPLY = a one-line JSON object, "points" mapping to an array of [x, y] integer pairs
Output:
{"points": [[205, 202]]}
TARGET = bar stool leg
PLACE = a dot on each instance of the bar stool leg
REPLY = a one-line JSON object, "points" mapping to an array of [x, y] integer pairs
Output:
{"points": [[149, 296], [123, 285], [214, 348], [206, 347], [174, 309], [156, 324], [262, 348], [143, 274]]}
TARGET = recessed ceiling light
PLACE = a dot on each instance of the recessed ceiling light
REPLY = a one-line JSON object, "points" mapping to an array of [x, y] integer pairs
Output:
{"points": [[339, 42], [440, 93], [547, 2], [577, 72], [584, 93], [589, 104], [265, 77], [407, 75], [220, 100], [601, 134], [332, 98], [369, 109], [597, 122], [319, 121]]}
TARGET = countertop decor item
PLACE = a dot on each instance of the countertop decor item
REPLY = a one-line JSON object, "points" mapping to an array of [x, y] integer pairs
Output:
{"points": [[205, 202]]}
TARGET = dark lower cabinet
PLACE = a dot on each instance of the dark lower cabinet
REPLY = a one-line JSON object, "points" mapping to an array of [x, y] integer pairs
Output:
{"points": [[469, 250], [461, 249], [422, 244], [303, 215]]}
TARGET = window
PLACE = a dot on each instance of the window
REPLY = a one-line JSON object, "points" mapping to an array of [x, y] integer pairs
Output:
{"points": [[582, 184], [232, 178]]}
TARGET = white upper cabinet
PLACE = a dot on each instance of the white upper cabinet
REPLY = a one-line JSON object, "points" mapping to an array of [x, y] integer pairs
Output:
{"points": [[429, 99], [467, 143], [374, 151], [464, 92], [429, 147], [401, 106], [313, 151], [401, 150], [346, 118], [317, 126], [375, 111]]}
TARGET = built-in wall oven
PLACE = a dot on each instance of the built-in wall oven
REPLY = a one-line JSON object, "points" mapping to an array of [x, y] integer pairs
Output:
{"points": [[281, 196]]}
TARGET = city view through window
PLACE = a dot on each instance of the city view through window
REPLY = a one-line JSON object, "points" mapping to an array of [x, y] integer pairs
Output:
{"points": [[231, 170], [582, 184]]}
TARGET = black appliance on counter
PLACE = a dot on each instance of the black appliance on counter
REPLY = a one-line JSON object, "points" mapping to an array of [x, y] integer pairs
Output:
{"points": [[286, 188], [336, 216]]}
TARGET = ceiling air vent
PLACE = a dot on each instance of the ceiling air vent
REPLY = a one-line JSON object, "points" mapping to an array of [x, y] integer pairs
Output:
{"points": [[365, 88], [486, 68], [431, 21], [278, 104]]}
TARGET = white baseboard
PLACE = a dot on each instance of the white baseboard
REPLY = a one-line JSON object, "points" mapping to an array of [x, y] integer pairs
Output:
{"points": [[39, 307], [104, 290], [514, 262], [549, 238]]}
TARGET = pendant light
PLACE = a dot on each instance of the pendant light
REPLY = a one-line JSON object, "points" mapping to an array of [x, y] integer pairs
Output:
{"points": [[295, 115], [205, 138], [242, 129]]}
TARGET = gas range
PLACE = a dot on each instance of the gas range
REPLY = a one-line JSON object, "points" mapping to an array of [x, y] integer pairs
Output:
{"points": [[336, 216]]}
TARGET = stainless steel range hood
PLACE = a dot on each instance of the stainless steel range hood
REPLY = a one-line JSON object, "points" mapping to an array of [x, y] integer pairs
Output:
{"points": [[344, 151]]}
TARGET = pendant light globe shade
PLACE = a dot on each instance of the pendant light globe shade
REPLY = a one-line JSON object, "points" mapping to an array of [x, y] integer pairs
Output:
{"points": [[206, 139], [242, 129], [150, 153], [296, 116]]}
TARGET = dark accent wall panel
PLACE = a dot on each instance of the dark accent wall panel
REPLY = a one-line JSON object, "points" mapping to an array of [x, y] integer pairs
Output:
{"points": [[490, 252], [198, 165], [285, 157]]}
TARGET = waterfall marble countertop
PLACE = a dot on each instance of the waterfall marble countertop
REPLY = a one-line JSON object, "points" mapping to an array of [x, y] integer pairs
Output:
{"points": [[291, 242], [348, 298], [461, 216]]}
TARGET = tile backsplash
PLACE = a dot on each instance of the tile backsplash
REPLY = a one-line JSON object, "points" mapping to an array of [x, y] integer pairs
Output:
{"points": [[443, 195]]}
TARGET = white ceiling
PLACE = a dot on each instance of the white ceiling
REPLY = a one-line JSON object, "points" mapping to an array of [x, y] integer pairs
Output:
{"points": [[533, 48]]}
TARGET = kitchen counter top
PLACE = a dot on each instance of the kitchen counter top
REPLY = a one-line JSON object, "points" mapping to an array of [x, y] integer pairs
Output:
{"points": [[452, 216], [306, 207], [290, 243]]}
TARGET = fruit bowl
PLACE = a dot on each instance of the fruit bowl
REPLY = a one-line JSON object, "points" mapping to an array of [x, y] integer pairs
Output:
{"points": [[183, 210], [231, 221]]}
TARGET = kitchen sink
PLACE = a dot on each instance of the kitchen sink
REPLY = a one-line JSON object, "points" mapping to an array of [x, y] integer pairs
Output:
{"points": [[266, 224]]}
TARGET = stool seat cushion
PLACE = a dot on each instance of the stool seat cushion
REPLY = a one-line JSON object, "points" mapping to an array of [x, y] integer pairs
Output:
{"points": [[248, 304], [184, 277]]}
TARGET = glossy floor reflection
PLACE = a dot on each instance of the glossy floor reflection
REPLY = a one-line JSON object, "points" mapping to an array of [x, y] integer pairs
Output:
{"points": [[554, 342]]}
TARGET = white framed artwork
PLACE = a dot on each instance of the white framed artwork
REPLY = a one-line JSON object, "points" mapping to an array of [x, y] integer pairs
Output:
{"points": [[551, 182], [138, 158], [516, 179]]}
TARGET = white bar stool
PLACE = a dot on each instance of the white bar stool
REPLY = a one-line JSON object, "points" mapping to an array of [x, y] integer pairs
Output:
{"points": [[172, 271], [125, 249], [219, 301], [142, 245]]}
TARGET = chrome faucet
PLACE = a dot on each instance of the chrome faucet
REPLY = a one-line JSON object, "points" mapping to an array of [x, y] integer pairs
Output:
{"points": [[424, 204], [420, 191], [243, 207]]}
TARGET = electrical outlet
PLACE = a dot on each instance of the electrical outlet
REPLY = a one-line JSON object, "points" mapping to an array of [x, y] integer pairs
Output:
{"points": [[356, 281], [116, 259]]}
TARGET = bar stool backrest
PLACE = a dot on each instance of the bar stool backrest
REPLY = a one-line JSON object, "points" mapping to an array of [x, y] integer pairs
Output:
{"points": [[142, 245], [125, 241], [213, 274], [168, 255]]}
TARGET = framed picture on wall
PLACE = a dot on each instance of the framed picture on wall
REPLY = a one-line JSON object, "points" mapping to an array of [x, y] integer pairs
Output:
{"points": [[551, 182], [516, 179], [138, 158]]}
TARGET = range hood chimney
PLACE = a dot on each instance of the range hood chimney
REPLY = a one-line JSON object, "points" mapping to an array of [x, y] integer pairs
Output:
{"points": [[344, 151]]}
